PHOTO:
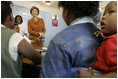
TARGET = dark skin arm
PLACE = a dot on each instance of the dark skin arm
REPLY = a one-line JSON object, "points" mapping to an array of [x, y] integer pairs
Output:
{"points": [[28, 51], [89, 74], [100, 33], [108, 75]]}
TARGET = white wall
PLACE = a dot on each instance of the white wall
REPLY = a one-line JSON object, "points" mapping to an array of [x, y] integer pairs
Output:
{"points": [[29, 4]]}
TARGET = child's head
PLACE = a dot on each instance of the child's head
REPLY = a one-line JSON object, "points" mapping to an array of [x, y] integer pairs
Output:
{"points": [[16, 28], [109, 20]]}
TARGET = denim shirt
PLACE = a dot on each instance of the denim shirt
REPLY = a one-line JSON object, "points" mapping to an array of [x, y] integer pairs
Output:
{"points": [[70, 50]]}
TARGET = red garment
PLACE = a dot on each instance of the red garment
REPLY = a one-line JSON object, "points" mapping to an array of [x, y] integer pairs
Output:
{"points": [[107, 55]]}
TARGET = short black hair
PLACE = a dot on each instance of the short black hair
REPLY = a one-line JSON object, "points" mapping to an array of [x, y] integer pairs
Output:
{"points": [[20, 18], [80, 8], [5, 10], [33, 9]]}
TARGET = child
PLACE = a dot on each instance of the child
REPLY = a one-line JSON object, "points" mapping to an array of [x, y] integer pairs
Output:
{"points": [[107, 52], [16, 28], [33, 42]]}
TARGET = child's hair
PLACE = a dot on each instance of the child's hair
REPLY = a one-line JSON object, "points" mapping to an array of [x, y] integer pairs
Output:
{"points": [[81, 8]]}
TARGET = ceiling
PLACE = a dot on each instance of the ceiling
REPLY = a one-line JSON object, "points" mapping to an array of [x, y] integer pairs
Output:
{"points": [[53, 8], [55, 3]]}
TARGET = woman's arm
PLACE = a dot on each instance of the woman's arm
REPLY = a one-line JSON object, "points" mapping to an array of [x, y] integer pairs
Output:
{"points": [[28, 51], [89, 74], [108, 75]]}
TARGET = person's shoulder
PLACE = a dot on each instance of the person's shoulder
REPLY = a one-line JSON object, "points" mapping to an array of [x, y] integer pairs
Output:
{"points": [[64, 35], [7, 33], [8, 29], [30, 19], [112, 37], [40, 18]]}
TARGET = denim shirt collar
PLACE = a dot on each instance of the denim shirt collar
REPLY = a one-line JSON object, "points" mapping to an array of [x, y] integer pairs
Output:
{"points": [[82, 20]]}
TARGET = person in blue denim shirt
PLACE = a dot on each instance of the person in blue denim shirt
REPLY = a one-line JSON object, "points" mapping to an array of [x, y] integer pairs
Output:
{"points": [[97, 17], [75, 47]]}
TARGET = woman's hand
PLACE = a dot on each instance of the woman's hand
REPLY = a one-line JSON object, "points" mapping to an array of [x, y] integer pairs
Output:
{"points": [[87, 74], [41, 35]]}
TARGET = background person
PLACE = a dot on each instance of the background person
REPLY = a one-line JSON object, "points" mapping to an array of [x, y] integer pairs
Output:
{"points": [[36, 26], [19, 21]]}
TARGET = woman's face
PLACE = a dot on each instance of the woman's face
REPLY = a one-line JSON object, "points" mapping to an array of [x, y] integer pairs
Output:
{"points": [[18, 20], [34, 13]]}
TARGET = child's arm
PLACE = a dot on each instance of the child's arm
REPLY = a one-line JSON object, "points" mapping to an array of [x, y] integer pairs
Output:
{"points": [[99, 33], [89, 74]]}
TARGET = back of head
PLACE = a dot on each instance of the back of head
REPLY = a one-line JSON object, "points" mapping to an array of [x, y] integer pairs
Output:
{"points": [[81, 8], [5, 10]]}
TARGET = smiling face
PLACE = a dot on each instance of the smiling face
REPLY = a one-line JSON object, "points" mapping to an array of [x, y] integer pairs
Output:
{"points": [[18, 20], [34, 13], [109, 20]]}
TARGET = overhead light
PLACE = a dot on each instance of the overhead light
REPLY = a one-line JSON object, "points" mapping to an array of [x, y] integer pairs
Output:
{"points": [[47, 2]]}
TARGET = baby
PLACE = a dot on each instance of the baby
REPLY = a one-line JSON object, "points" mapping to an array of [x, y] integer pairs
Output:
{"points": [[107, 53]]}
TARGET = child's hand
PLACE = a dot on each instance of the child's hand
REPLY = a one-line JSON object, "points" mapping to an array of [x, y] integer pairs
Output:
{"points": [[87, 74], [99, 33]]}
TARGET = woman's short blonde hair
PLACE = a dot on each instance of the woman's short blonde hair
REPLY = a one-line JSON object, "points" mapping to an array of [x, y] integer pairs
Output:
{"points": [[33, 9]]}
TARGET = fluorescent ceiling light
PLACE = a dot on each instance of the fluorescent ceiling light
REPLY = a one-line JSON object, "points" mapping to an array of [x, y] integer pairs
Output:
{"points": [[47, 3]]}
